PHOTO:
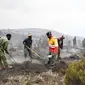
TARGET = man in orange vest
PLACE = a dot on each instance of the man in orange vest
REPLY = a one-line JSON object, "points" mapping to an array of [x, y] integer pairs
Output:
{"points": [[53, 48]]}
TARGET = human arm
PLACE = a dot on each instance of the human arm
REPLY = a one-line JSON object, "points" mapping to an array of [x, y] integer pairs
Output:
{"points": [[24, 42]]}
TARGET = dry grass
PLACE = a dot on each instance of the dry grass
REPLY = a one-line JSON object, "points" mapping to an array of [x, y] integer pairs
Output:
{"points": [[45, 78]]}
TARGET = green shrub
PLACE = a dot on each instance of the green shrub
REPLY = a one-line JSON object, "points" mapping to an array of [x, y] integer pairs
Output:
{"points": [[75, 73]]}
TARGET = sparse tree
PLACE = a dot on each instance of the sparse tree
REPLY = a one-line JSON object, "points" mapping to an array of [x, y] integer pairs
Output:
{"points": [[74, 42], [83, 43], [68, 45], [41, 46], [79, 44]]}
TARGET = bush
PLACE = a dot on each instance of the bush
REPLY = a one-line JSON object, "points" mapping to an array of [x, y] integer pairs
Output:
{"points": [[75, 73]]}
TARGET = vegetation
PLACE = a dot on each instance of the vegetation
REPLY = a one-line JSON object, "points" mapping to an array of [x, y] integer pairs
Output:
{"points": [[75, 74]]}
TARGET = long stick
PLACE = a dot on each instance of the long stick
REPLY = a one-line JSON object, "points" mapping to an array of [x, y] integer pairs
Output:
{"points": [[12, 58], [33, 51]]}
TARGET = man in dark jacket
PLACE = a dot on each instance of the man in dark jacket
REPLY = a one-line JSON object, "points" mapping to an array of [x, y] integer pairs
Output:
{"points": [[28, 44]]}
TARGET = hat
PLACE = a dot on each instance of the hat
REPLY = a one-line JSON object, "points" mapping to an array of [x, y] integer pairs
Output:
{"points": [[48, 33], [8, 35], [29, 34]]}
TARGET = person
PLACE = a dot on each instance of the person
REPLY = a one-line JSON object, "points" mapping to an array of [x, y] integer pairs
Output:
{"points": [[3, 50], [27, 46], [53, 48], [60, 44]]}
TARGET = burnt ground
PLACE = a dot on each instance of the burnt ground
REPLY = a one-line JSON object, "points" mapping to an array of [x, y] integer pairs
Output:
{"points": [[26, 68]]}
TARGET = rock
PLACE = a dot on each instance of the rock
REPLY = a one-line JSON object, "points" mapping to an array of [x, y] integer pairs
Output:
{"points": [[74, 57]]}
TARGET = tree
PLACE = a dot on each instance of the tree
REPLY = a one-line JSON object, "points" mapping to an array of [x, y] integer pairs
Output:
{"points": [[83, 43], [74, 42], [68, 45], [79, 43], [41, 46]]}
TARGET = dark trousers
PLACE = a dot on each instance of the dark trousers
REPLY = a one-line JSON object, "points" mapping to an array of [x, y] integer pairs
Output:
{"points": [[26, 52], [53, 59]]}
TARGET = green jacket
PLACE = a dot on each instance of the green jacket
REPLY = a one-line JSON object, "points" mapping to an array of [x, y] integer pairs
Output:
{"points": [[3, 46]]}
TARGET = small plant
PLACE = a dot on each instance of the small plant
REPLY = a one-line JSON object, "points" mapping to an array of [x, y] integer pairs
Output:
{"points": [[27, 83]]}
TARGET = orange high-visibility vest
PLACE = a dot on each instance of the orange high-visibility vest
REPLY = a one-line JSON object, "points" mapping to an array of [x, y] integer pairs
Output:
{"points": [[53, 41]]}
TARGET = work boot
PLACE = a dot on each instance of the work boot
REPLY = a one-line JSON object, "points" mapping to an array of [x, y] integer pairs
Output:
{"points": [[30, 61], [49, 61], [5, 67], [59, 58], [53, 64], [9, 66]]}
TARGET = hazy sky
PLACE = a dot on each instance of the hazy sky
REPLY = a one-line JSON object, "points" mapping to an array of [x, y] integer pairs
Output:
{"points": [[66, 16]]}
